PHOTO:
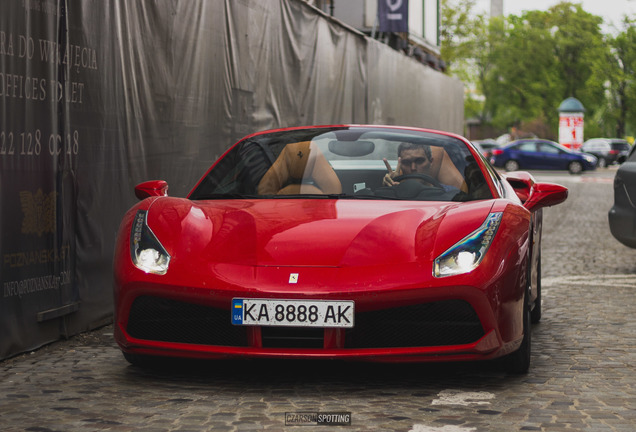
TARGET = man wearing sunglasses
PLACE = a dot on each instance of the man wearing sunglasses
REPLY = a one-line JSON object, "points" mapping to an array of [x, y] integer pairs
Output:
{"points": [[412, 158]]}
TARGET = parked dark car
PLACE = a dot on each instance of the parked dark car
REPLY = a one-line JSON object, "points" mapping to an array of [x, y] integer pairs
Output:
{"points": [[533, 153], [622, 216], [607, 150]]}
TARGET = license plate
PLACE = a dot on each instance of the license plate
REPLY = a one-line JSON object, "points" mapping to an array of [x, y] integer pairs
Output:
{"points": [[292, 313]]}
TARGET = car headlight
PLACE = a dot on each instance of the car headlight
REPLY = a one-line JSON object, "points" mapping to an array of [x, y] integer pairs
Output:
{"points": [[468, 253], [590, 159], [146, 251]]}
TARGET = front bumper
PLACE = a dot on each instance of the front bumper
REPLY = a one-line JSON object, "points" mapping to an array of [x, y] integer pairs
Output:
{"points": [[421, 324]]}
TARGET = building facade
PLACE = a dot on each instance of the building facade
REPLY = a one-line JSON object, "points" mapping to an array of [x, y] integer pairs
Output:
{"points": [[422, 38]]}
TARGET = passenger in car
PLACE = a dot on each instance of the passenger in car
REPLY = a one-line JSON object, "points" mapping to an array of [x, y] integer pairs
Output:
{"points": [[414, 158]]}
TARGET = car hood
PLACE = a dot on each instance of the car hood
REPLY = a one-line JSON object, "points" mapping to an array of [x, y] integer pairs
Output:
{"points": [[310, 232]]}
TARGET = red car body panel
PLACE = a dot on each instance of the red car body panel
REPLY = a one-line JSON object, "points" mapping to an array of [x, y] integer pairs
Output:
{"points": [[376, 253], [207, 267]]}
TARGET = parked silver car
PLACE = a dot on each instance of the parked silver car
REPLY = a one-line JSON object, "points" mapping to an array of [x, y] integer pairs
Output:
{"points": [[607, 150]]}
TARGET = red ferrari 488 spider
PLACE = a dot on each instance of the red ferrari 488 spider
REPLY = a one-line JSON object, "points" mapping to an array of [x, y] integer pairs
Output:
{"points": [[372, 243]]}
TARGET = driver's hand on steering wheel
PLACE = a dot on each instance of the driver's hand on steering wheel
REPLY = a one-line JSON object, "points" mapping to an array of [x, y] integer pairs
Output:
{"points": [[388, 177]]}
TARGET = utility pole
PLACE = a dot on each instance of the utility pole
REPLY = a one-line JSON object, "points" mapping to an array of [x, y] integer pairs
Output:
{"points": [[496, 8]]}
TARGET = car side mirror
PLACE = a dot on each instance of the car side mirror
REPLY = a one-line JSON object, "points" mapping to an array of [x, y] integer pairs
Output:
{"points": [[545, 195], [151, 188], [521, 182]]}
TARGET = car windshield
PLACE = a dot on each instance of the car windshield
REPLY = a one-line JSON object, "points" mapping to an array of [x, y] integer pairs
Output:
{"points": [[347, 163]]}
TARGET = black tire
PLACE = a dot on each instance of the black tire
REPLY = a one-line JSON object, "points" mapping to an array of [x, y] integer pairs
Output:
{"points": [[602, 163], [575, 167], [518, 362], [511, 165], [139, 360], [535, 314]]}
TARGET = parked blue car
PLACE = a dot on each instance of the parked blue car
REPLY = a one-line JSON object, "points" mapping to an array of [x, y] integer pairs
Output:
{"points": [[527, 154]]}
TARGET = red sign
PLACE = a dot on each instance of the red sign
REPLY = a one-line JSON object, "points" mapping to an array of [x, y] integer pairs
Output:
{"points": [[571, 130]]}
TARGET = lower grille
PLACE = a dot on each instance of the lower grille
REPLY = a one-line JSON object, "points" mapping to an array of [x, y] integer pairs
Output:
{"points": [[159, 319], [449, 322], [292, 337]]}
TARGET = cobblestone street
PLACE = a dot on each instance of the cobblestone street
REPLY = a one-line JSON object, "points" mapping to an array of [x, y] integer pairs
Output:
{"points": [[582, 376]]}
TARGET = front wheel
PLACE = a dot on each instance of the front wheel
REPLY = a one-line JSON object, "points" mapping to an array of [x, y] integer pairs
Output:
{"points": [[535, 315], [144, 361], [511, 165], [575, 167], [602, 163], [136, 359], [519, 361]]}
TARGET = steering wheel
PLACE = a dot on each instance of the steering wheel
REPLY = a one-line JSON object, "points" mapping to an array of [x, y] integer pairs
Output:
{"points": [[420, 176]]}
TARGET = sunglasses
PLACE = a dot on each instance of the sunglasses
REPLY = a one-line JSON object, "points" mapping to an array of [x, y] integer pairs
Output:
{"points": [[416, 161]]}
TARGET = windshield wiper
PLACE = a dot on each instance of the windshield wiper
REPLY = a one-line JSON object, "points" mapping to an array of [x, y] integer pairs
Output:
{"points": [[307, 195], [332, 196], [375, 197], [213, 196], [224, 196]]}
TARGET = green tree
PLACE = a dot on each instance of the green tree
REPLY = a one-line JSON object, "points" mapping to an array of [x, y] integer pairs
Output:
{"points": [[520, 68], [549, 58], [579, 43], [459, 34], [616, 72], [578, 40], [523, 79], [486, 54], [458, 25]]}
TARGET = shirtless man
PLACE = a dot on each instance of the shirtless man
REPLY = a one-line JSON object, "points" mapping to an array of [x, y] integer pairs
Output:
{"points": [[412, 158]]}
